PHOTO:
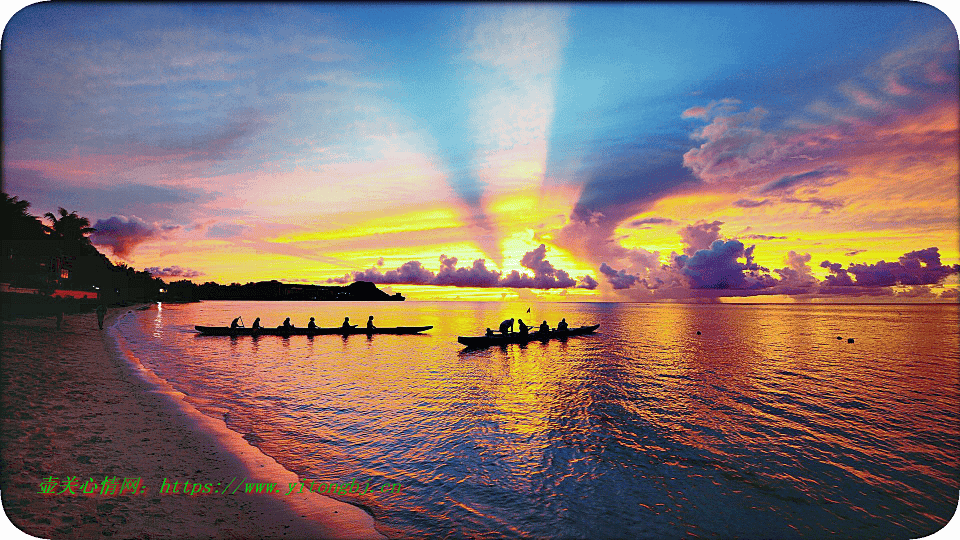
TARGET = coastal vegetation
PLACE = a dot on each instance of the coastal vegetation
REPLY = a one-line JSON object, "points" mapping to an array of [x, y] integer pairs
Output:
{"points": [[49, 264]]}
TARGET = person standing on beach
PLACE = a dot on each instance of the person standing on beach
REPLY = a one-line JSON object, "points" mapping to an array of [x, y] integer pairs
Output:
{"points": [[101, 313]]}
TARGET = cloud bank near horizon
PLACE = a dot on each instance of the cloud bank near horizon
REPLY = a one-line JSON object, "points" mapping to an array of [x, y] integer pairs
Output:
{"points": [[712, 267], [545, 276]]}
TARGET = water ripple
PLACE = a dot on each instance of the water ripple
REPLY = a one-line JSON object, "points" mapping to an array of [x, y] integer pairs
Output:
{"points": [[764, 425]]}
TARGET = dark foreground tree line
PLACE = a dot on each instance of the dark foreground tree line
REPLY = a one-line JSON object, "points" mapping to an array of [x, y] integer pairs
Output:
{"points": [[44, 266], [48, 261]]}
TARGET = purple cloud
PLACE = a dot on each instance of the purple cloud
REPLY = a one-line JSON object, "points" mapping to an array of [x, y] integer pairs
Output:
{"points": [[917, 291], [225, 230], [921, 267], [173, 271], [122, 234], [727, 268], [750, 203], [762, 237], [587, 282], [409, 273], [789, 183], [708, 262], [950, 293], [733, 144], [652, 221], [839, 277], [797, 273], [719, 268], [618, 278], [825, 205], [545, 276], [700, 235], [476, 276]]}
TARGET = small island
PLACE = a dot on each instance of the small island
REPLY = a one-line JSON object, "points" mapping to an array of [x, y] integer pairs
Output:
{"points": [[359, 291]]}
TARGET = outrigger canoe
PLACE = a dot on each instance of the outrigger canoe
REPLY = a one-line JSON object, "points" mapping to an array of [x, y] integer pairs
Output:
{"points": [[499, 339], [294, 331]]}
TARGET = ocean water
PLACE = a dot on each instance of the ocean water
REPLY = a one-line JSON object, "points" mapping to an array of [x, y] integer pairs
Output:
{"points": [[764, 425]]}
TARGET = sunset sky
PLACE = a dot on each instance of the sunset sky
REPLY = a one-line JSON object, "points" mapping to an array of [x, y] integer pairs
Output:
{"points": [[565, 152]]}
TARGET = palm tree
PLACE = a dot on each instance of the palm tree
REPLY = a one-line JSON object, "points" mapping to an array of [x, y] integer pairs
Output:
{"points": [[24, 246], [16, 223], [71, 229]]}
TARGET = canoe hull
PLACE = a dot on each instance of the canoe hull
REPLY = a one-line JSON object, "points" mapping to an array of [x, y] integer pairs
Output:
{"points": [[489, 341], [227, 331]]}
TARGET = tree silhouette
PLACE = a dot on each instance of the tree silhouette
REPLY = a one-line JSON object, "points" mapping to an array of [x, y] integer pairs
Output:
{"points": [[25, 246], [33, 255], [16, 223], [72, 230]]}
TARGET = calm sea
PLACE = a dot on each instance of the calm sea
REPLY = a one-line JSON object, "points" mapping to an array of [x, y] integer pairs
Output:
{"points": [[763, 425]]}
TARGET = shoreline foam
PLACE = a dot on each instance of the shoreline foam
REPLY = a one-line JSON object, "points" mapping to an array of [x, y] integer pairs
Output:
{"points": [[75, 403]]}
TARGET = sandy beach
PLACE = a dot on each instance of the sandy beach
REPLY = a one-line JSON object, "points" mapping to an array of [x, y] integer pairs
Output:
{"points": [[74, 406]]}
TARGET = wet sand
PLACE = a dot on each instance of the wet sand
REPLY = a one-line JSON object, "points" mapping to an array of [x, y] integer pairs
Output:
{"points": [[74, 406]]}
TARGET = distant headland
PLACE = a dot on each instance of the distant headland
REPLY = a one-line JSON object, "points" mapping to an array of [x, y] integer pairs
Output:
{"points": [[359, 291]]}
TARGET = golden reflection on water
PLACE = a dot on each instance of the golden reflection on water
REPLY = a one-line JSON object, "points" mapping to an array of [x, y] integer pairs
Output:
{"points": [[765, 410], [158, 322]]}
